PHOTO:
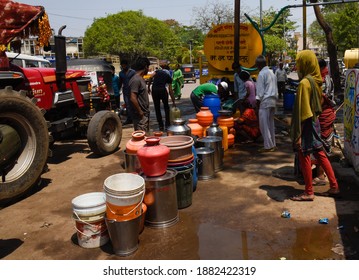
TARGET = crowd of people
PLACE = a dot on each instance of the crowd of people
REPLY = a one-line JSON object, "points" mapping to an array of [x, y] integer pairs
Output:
{"points": [[312, 119]]}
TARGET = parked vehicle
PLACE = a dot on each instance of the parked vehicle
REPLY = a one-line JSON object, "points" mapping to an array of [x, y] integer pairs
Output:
{"points": [[65, 102], [188, 72], [197, 74], [25, 61], [342, 67], [97, 69]]}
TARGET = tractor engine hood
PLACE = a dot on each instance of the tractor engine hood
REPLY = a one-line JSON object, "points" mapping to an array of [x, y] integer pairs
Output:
{"points": [[48, 75]]}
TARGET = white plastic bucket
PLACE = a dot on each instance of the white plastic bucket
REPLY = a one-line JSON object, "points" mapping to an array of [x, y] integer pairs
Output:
{"points": [[124, 184], [125, 200], [89, 204], [124, 196], [89, 214]]}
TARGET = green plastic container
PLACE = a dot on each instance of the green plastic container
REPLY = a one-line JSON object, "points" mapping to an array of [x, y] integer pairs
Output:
{"points": [[184, 185]]}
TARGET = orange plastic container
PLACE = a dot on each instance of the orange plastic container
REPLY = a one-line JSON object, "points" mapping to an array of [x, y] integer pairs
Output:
{"points": [[196, 128], [204, 117], [230, 140], [124, 212], [143, 217], [225, 137], [137, 141], [225, 121]]}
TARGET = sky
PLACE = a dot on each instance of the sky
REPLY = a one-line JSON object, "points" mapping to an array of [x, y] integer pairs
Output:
{"points": [[77, 15]]}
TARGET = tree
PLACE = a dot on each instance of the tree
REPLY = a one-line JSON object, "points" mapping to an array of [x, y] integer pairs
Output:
{"points": [[343, 18], [188, 35], [276, 36], [131, 34], [213, 13]]}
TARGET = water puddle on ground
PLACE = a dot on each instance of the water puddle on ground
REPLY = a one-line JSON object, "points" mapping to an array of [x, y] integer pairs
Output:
{"points": [[313, 243], [305, 243]]}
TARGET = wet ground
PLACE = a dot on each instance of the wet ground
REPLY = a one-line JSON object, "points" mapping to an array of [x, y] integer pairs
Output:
{"points": [[236, 215]]}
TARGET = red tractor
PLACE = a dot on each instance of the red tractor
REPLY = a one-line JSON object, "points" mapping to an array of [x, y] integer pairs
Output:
{"points": [[65, 101]]}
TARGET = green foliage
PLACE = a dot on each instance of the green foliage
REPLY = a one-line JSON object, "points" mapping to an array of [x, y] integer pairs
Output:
{"points": [[131, 34], [342, 18], [276, 38], [274, 44]]}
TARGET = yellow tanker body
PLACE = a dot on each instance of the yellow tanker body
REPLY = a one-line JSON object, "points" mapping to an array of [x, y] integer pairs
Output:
{"points": [[219, 51], [351, 57]]}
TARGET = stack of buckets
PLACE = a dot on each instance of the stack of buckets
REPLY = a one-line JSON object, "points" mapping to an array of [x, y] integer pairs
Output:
{"points": [[186, 178], [125, 211]]}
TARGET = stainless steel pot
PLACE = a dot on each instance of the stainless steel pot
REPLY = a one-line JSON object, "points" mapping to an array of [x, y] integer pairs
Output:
{"points": [[214, 142], [214, 130], [205, 163], [179, 127], [161, 200]]}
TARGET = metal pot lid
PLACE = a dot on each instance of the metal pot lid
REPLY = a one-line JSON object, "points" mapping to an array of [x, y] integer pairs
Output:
{"points": [[178, 121], [223, 112], [214, 124], [204, 150], [170, 173]]}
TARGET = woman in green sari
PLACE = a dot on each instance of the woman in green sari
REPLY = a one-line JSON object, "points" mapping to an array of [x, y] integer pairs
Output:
{"points": [[177, 82]]}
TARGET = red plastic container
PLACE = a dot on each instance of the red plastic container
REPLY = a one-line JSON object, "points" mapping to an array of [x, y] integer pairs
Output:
{"points": [[153, 157]]}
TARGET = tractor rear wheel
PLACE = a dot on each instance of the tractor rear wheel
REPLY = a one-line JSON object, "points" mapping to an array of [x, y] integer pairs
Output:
{"points": [[23, 116]]}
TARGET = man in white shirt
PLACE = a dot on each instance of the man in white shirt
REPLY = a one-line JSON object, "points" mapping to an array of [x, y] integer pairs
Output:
{"points": [[267, 96]]}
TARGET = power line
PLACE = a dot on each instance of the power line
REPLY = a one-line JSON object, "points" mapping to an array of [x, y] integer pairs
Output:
{"points": [[70, 17]]}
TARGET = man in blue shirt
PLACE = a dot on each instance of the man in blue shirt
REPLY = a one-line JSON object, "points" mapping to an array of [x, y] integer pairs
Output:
{"points": [[239, 87], [115, 86]]}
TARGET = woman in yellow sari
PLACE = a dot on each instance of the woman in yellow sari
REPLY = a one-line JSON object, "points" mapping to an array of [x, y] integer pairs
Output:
{"points": [[305, 130]]}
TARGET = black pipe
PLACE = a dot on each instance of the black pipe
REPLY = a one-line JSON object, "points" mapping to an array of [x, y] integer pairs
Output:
{"points": [[60, 56]]}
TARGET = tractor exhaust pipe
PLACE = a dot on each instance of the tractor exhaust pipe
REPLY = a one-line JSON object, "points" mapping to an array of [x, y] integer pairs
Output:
{"points": [[61, 63]]}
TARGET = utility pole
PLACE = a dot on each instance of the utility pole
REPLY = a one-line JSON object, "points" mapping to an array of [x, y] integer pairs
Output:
{"points": [[304, 25], [190, 51], [237, 10], [260, 14]]}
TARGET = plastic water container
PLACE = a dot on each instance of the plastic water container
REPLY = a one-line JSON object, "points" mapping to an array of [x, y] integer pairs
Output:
{"points": [[175, 113], [213, 102], [288, 99]]}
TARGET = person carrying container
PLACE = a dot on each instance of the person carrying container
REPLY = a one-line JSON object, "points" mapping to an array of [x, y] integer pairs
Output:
{"points": [[199, 92]]}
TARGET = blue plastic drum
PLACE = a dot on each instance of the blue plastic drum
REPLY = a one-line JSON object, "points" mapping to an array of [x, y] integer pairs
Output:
{"points": [[288, 100], [213, 102]]}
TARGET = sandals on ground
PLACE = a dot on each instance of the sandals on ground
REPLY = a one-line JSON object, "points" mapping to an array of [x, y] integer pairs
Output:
{"points": [[332, 192], [303, 197], [319, 182]]}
